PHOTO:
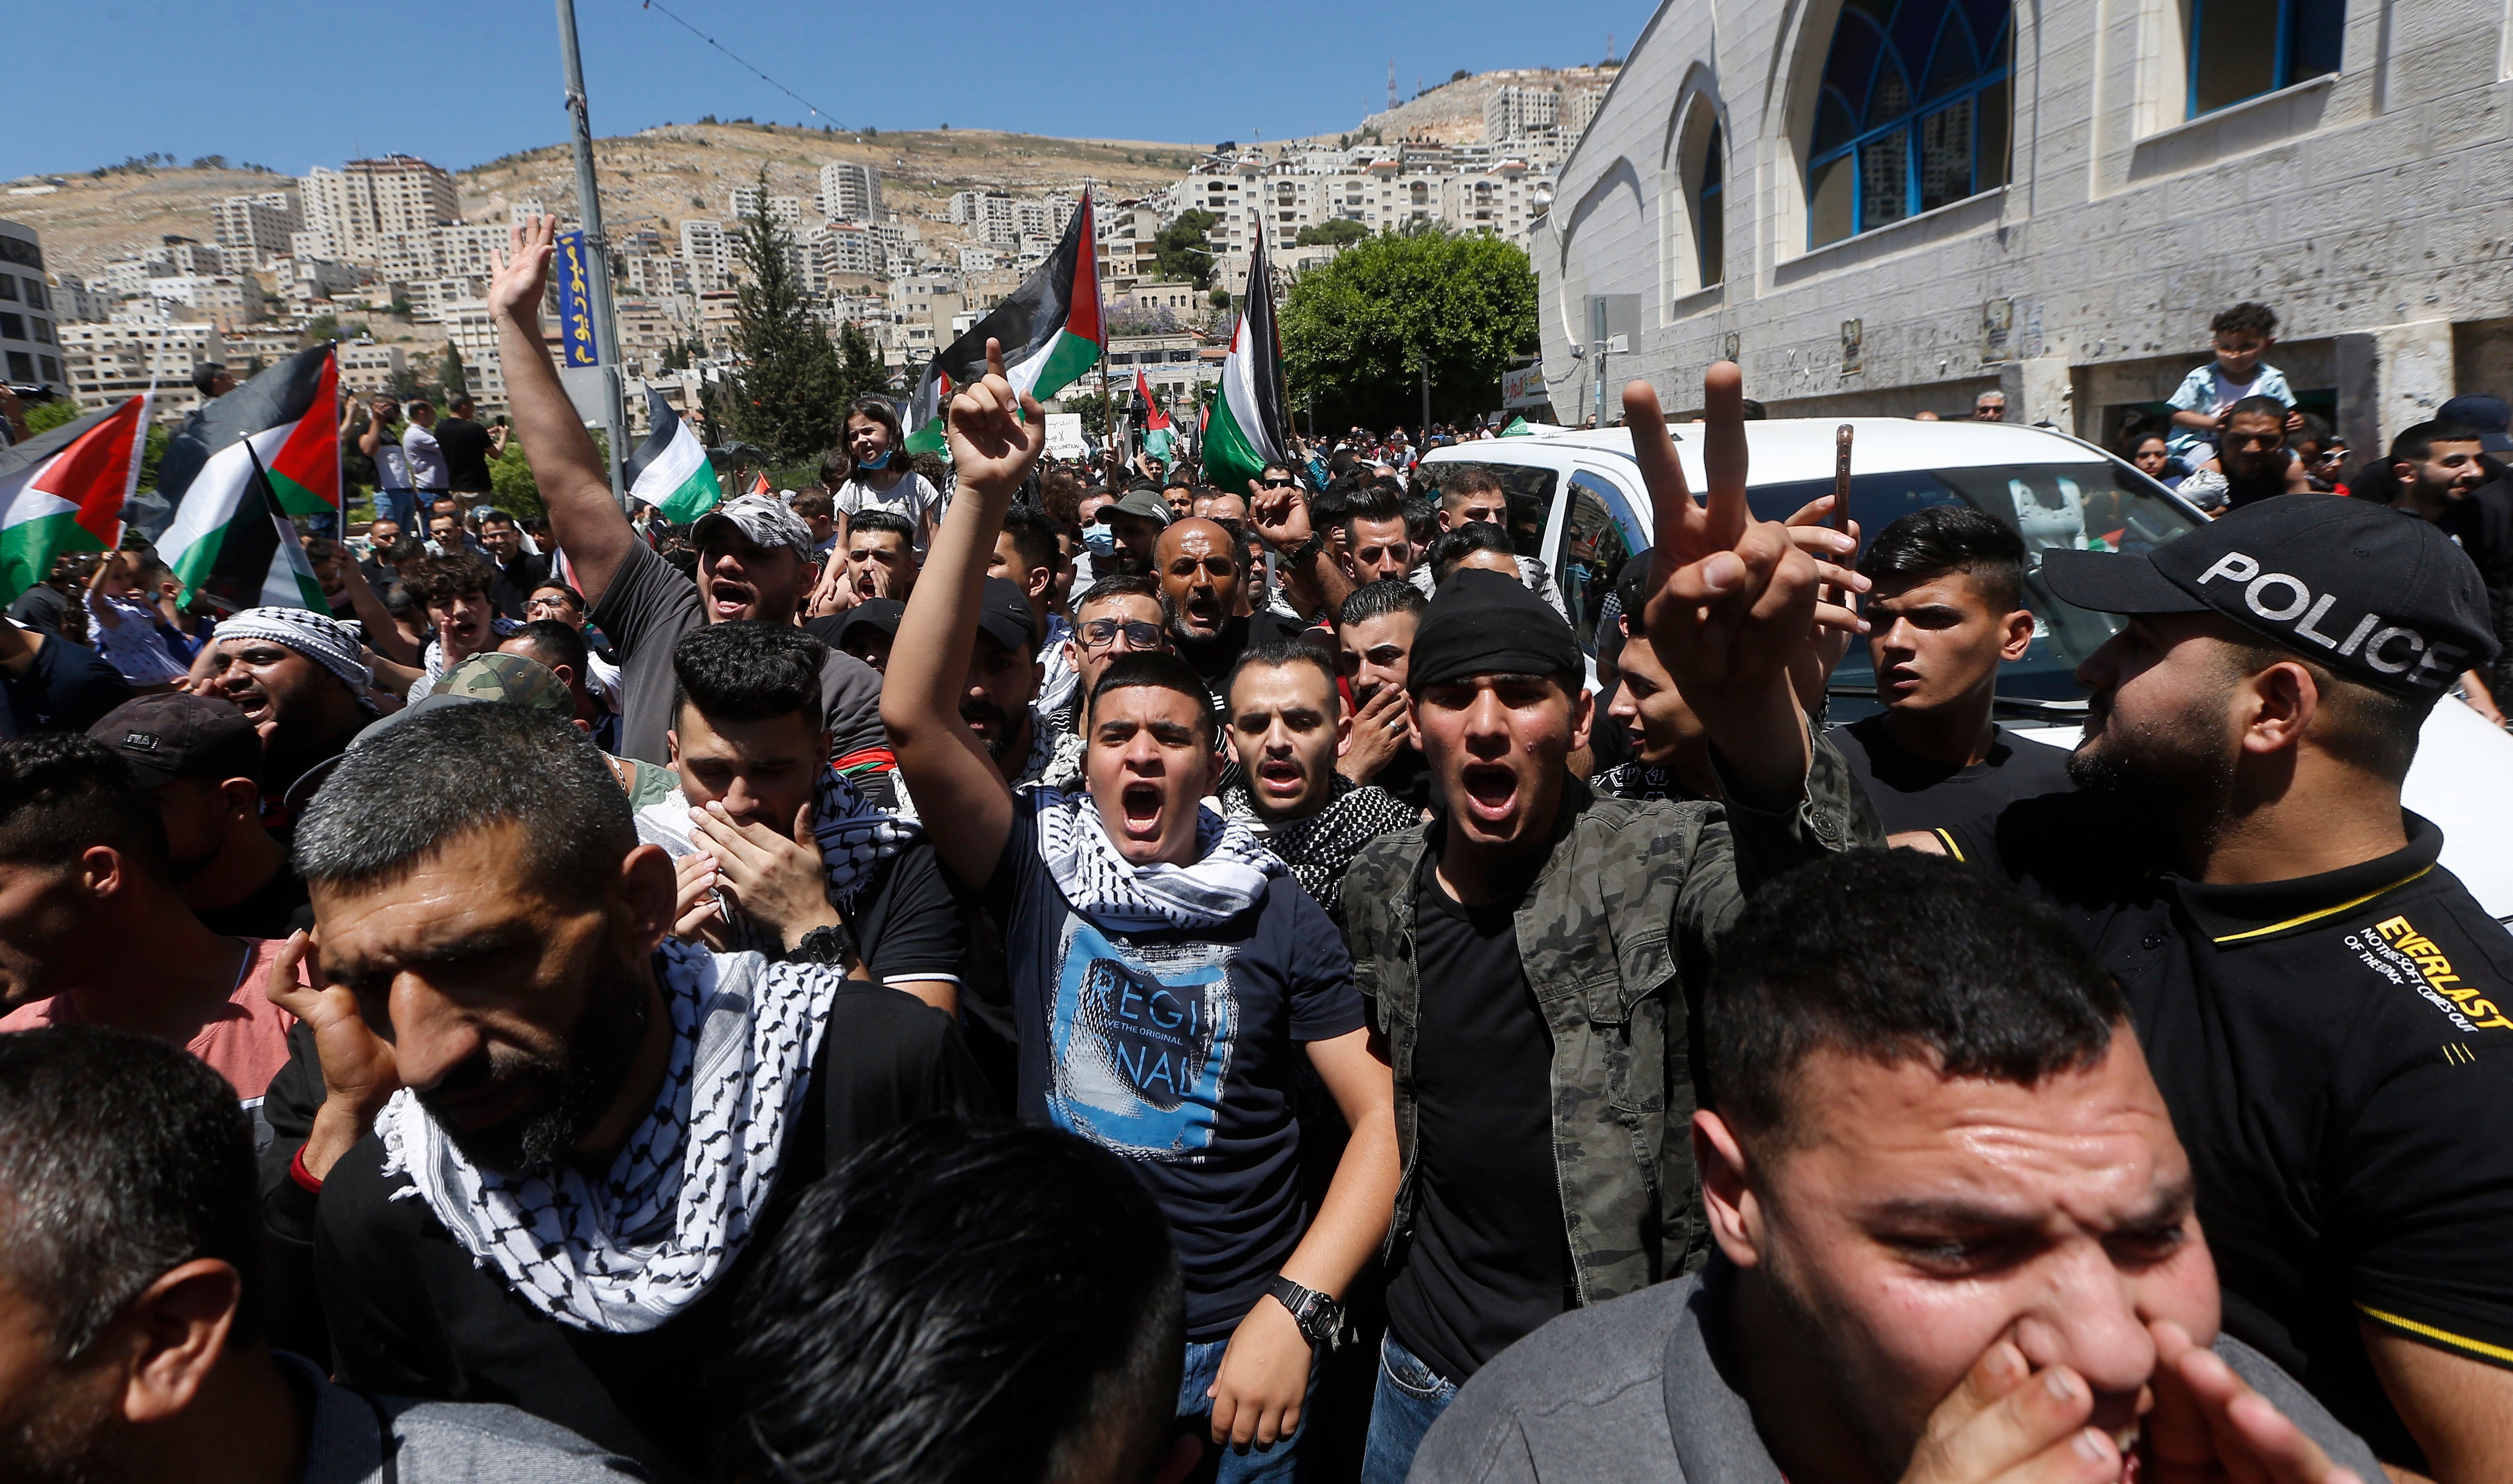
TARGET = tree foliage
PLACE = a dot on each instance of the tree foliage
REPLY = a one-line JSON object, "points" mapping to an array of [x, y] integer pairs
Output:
{"points": [[510, 483], [1358, 330], [44, 417], [1335, 232], [449, 373], [788, 391], [1180, 250]]}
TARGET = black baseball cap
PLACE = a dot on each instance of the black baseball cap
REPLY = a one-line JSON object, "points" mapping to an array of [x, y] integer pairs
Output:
{"points": [[2375, 594], [1003, 613], [880, 613], [180, 735], [2487, 417]]}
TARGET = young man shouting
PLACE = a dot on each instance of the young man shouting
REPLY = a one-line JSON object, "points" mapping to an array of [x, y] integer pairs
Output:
{"points": [[1166, 971]]}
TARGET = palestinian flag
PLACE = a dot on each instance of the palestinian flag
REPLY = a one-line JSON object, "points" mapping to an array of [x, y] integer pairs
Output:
{"points": [[1157, 437], [253, 558], [292, 415], [669, 470], [1051, 331], [63, 491], [1245, 431]]}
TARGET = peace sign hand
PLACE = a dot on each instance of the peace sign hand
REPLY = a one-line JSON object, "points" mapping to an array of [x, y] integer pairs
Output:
{"points": [[1733, 598], [996, 434]]}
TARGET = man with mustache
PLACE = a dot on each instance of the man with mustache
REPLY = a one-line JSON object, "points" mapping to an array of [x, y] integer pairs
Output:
{"points": [[301, 678], [1955, 1234], [524, 1137], [2313, 989], [754, 556], [1198, 563]]}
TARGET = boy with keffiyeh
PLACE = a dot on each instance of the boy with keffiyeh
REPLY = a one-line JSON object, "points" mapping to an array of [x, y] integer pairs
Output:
{"points": [[1167, 970]]}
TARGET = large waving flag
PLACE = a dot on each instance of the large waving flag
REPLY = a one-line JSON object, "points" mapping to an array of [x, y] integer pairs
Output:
{"points": [[255, 561], [669, 470], [1050, 326], [1245, 431], [291, 413], [1157, 436], [63, 491]]}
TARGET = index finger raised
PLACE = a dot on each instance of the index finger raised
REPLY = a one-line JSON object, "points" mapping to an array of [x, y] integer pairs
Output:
{"points": [[1673, 513], [1723, 450]]}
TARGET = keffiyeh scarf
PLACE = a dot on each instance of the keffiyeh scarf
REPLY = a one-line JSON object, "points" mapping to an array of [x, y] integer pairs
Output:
{"points": [[1228, 876], [627, 1253], [853, 834], [1317, 848]]}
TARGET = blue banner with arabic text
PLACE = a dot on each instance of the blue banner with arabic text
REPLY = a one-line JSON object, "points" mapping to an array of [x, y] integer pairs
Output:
{"points": [[575, 301]]}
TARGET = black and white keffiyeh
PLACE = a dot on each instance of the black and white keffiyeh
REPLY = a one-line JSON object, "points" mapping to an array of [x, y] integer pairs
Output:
{"points": [[1228, 877], [625, 1255], [855, 834], [1317, 848]]}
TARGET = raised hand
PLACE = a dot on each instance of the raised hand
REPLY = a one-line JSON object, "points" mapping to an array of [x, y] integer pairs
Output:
{"points": [[360, 1072], [1281, 516], [523, 271], [1379, 730], [996, 436], [1836, 620]]}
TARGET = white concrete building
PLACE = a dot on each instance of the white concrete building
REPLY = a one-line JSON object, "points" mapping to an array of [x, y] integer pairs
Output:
{"points": [[990, 215], [109, 363], [367, 367], [1889, 216], [742, 202], [348, 210], [1516, 113], [253, 230], [849, 192], [74, 300], [30, 349], [837, 248], [708, 253]]}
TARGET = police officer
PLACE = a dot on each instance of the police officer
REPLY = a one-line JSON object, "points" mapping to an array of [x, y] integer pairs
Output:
{"points": [[2327, 1010]]}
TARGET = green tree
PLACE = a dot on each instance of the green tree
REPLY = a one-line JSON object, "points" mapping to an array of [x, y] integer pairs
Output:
{"points": [[449, 373], [788, 389], [321, 327], [1339, 232], [859, 365], [1358, 330], [1180, 250], [44, 417], [510, 483]]}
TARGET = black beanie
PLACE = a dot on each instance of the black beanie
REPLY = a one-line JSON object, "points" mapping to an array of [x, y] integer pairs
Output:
{"points": [[1487, 623]]}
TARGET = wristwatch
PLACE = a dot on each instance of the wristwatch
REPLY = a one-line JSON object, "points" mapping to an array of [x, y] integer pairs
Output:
{"points": [[1320, 1318], [832, 945], [1303, 554]]}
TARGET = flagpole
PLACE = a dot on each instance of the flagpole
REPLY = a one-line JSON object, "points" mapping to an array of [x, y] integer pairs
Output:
{"points": [[589, 201]]}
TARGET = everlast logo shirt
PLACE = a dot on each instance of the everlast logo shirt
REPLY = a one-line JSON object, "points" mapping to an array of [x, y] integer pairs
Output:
{"points": [[2337, 1054]]}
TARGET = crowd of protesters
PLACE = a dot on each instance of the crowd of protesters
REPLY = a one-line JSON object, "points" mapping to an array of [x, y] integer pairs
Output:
{"points": [[1008, 970]]}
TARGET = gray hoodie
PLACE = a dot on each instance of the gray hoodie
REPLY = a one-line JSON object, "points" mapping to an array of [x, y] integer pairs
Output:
{"points": [[1633, 1390]]}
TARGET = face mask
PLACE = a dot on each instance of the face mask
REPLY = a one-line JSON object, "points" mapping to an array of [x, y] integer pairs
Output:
{"points": [[876, 464], [1100, 538]]}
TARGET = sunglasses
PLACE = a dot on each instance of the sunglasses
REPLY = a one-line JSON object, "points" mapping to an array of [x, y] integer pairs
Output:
{"points": [[1275, 484], [1100, 633]]}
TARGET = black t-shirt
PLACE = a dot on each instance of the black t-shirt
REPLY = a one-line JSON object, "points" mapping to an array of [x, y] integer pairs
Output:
{"points": [[2335, 1050], [515, 581], [1213, 658], [1178, 1051], [466, 445], [67, 688], [1914, 793], [40, 608], [1490, 1259]]}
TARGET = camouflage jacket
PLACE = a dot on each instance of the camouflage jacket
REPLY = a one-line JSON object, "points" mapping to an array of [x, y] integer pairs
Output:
{"points": [[1615, 933]]}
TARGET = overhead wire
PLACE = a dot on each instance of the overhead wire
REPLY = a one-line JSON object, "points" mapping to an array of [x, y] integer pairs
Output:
{"points": [[752, 69]]}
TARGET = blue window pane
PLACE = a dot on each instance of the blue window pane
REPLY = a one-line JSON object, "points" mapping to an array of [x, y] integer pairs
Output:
{"points": [[1953, 66], [1832, 122], [1714, 162], [1945, 156], [1989, 27], [1891, 98], [1883, 179], [1852, 62], [1915, 32], [2314, 30]]}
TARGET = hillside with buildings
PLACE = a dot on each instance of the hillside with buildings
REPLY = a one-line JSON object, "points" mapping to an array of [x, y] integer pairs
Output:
{"points": [[910, 236]]}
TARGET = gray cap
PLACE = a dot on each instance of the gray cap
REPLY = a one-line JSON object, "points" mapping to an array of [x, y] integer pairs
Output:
{"points": [[762, 521], [1145, 501]]}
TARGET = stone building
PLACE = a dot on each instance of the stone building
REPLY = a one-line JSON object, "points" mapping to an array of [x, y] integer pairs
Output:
{"points": [[1885, 206]]}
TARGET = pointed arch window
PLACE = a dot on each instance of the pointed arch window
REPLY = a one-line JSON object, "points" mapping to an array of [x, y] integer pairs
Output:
{"points": [[1913, 112]]}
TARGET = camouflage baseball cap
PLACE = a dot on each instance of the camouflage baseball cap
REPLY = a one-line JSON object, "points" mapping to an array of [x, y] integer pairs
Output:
{"points": [[498, 677]]}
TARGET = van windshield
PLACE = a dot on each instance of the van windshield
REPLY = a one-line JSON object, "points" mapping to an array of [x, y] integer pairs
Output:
{"points": [[2088, 506]]}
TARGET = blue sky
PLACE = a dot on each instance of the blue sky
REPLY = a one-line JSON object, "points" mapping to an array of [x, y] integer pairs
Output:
{"points": [[291, 83]]}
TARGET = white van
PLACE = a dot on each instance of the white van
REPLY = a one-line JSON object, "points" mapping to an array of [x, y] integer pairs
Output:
{"points": [[1576, 501]]}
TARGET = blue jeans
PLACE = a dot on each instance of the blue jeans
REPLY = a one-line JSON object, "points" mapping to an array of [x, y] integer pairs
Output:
{"points": [[401, 505], [1227, 1465], [1411, 1397]]}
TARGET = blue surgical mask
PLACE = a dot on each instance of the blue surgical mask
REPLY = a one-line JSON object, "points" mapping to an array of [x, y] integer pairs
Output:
{"points": [[879, 463], [1100, 538]]}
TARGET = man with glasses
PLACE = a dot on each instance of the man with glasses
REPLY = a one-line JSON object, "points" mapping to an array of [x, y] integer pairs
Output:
{"points": [[1989, 406], [1117, 615]]}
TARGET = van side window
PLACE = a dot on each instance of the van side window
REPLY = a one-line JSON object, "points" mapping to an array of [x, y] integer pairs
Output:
{"points": [[1588, 553]]}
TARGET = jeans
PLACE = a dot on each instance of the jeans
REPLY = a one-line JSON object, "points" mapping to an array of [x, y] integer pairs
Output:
{"points": [[401, 505], [1410, 1399], [1224, 1465]]}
